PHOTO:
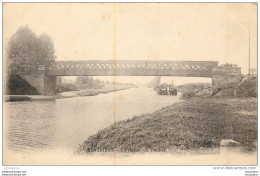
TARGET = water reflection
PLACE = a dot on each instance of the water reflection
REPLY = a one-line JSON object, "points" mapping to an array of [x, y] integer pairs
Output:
{"points": [[30, 124]]}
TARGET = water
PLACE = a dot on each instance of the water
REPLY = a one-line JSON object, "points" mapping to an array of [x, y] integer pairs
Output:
{"points": [[34, 126]]}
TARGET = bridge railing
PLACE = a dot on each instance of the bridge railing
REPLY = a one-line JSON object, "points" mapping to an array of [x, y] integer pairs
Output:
{"points": [[31, 69]]}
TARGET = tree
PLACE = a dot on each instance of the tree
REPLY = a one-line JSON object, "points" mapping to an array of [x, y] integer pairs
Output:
{"points": [[25, 48], [88, 82], [21, 48], [46, 49]]}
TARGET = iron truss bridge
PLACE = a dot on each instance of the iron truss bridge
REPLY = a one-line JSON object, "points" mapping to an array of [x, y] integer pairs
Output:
{"points": [[131, 68]]}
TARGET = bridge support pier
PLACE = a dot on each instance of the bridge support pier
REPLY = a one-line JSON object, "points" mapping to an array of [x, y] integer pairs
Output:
{"points": [[225, 77], [37, 78], [50, 85]]}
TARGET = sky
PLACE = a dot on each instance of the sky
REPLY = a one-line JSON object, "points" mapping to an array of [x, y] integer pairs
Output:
{"points": [[141, 31]]}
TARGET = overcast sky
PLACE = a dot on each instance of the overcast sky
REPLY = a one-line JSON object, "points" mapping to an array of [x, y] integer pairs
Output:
{"points": [[176, 31]]}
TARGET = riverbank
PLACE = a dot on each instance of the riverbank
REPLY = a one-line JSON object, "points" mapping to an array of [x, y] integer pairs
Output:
{"points": [[94, 92], [11, 98], [198, 124], [69, 94]]}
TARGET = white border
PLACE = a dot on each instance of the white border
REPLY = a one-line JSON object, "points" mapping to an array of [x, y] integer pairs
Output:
{"points": [[123, 170]]}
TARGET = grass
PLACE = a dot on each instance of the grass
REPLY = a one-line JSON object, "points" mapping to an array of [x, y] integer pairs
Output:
{"points": [[197, 124]]}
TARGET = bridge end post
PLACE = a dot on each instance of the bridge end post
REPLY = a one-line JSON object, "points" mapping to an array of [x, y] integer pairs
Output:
{"points": [[224, 77], [36, 76]]}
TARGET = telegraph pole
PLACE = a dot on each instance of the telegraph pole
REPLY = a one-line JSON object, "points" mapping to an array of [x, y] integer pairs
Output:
{"points": [[249, 50]]}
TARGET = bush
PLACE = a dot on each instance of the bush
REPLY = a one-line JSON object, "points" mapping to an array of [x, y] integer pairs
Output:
{"points": [[247, 87], [227, 90], [193, 86], [189, 94], [195, 90], [65, 87], [204, 93]]}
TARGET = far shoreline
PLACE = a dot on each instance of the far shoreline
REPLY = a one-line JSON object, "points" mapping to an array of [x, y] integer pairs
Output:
{"points": [[70, 94]]}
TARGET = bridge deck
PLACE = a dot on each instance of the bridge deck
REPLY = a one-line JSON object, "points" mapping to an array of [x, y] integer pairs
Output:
{"points": [[132, 68]]}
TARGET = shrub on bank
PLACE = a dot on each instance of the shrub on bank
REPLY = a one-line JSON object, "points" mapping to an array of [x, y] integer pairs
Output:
{"points": [[193, 86], [227, 90], [189, 94], [65, 88], [247, 87], [190, 90], [195, 90]]}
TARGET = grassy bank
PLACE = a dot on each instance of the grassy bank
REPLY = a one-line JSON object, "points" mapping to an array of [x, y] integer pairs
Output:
{"points": [[247, 87], [200, 123]]}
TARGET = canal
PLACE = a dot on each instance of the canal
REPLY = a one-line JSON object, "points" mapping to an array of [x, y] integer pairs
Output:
{"points": [[63, 124]]}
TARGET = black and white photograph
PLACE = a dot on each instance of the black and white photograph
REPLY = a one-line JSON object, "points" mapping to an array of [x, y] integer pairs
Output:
{"points": [[129, 84]]}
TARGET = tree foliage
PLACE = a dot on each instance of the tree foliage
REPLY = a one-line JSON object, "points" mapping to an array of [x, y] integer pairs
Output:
{"points": [[88, 82], [26, 48]]}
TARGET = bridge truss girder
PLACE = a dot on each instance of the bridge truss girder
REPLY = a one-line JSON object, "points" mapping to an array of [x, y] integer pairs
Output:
{"points": [[132, 68]]}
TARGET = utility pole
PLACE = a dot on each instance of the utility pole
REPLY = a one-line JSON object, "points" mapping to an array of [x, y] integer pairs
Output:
{"points": [[249, 50]]}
